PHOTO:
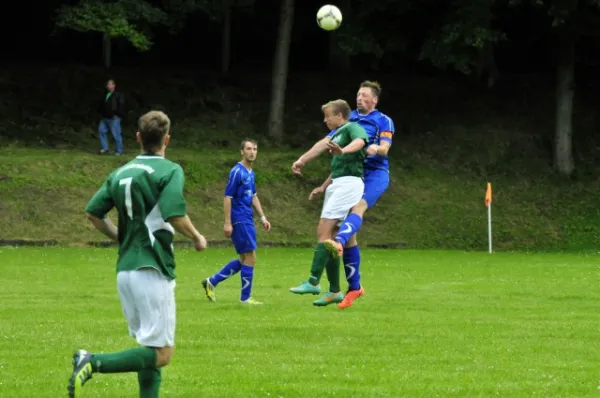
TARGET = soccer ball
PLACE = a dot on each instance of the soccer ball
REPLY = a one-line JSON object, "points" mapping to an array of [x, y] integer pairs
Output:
{"points": [[329, 17]]}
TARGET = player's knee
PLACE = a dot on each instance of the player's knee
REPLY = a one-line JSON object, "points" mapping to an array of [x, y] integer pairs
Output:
{"points": [[163, 356], [352, 241], [360, 208], [249, 258]]}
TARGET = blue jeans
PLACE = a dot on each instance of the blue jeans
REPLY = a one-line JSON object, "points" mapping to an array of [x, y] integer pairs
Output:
{"points": [[114, 126]]}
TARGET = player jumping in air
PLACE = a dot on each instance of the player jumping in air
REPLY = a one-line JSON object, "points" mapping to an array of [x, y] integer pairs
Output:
{"points": [[240, 198], [148, 195], [380, 129], [346, 142]]}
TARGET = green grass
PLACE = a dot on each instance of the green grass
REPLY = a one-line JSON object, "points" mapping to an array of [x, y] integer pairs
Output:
{"points": [[432, 323]]}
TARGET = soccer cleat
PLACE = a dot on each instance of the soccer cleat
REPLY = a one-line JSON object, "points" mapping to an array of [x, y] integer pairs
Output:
{"points": [[351, 295], [251, 301], [306, 288], [82, 372], [209, 288], [334, 247], [329, 298]]}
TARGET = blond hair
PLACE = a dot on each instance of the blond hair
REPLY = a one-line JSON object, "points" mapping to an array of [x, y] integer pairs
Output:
{"points": [[153, 127], [338, 106]]}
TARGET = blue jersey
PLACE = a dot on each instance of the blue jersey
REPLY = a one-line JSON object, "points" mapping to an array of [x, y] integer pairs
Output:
{"points": [[379, 127], [241, 189]]}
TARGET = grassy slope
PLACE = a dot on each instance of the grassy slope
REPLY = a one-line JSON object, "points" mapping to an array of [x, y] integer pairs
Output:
{"points": [[43, 192], [451, 140]]}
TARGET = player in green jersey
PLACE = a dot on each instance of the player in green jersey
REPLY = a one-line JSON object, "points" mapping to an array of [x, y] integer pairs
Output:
{"points": [[148, 195], [347, 145]]}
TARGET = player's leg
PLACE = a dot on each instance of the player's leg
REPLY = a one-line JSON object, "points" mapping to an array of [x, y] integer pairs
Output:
{"points": [[247, 277], [376, 183], [102, 131], [320, 255], [148, 301], [244, 240], [231, 268], [115, 129]]}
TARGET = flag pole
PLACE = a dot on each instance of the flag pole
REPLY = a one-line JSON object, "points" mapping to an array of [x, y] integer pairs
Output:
{"points": [[488, 203], [490, 227]]}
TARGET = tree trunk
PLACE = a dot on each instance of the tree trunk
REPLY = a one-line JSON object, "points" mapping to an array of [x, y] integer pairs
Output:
{"points": [[565, 92], [226, 38], [280, 70], [106, 51]]}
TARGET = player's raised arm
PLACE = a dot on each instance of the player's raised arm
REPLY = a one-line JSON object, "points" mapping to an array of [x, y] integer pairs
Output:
{"points": [[317, 150]]}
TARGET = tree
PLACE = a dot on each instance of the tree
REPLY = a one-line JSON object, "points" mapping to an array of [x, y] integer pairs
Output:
{"points": [[280, 70], [465, 39], [129, 19], [570, 20]]}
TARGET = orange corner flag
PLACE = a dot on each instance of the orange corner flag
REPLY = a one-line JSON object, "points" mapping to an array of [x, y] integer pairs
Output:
{"points": [[488, 194]]}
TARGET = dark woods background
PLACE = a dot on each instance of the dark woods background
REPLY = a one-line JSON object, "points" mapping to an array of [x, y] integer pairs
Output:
{"points": [[517, 77]]}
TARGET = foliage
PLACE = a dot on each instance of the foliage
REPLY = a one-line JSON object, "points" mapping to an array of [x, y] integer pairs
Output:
{"points": [[465, 31], [129, 19]]}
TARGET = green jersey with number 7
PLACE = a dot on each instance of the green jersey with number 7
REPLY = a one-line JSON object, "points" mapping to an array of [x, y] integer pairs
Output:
{"points": [[146, 192]]}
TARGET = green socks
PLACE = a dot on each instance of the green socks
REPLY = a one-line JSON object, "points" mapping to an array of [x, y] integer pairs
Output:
{"points": [[149, 381], [133, 360], [320, 259], [333, 274]]}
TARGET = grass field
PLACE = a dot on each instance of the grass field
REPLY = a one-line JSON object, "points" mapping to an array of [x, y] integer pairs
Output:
{"points": [[432, 324]]}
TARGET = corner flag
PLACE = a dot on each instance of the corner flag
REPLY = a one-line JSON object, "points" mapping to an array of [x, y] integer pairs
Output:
{"points": [[488, 203]]}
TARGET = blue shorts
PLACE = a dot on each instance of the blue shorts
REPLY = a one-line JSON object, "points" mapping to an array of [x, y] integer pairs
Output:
{"points": [[244, 237], [376, 183]]}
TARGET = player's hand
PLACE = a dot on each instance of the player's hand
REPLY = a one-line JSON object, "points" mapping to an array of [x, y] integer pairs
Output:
{"points": [[297, 167], [266, 225], [334, 148], [200, 243], [315, 192], [228, 229], [372, 149]]}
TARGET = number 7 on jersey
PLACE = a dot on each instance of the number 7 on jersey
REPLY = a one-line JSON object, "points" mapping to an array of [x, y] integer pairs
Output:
{"points": [[127, 183]]}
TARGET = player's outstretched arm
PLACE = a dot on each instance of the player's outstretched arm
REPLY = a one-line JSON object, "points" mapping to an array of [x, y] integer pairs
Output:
{"points": [[356, 145], [184, 226], [310, 155], [258, 208], [105, 226]]}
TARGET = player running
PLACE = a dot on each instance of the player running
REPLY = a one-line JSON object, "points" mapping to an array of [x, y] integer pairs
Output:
{"points": [[380, 129], [148, 195], [240, 198], [346, 142]]}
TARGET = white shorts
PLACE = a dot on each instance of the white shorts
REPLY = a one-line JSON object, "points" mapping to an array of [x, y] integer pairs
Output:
{"points": [[341, 196], [148, 302]]}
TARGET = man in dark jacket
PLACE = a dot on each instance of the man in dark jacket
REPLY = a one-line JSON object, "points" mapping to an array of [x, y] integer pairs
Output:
{"points": [[111, 110]]}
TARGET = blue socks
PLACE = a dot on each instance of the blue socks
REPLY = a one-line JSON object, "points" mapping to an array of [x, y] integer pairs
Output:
{"points": [[247, 275], [228, 271], [349, 227], [352, 266]]}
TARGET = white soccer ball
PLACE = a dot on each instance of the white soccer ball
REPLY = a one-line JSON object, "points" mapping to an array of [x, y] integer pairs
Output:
{"points": [[329, 17]]}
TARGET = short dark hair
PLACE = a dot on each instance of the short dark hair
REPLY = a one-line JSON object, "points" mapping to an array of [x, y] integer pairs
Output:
{"points": [[373, 85], [247, 140], [153, 127], [338, 106]]}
